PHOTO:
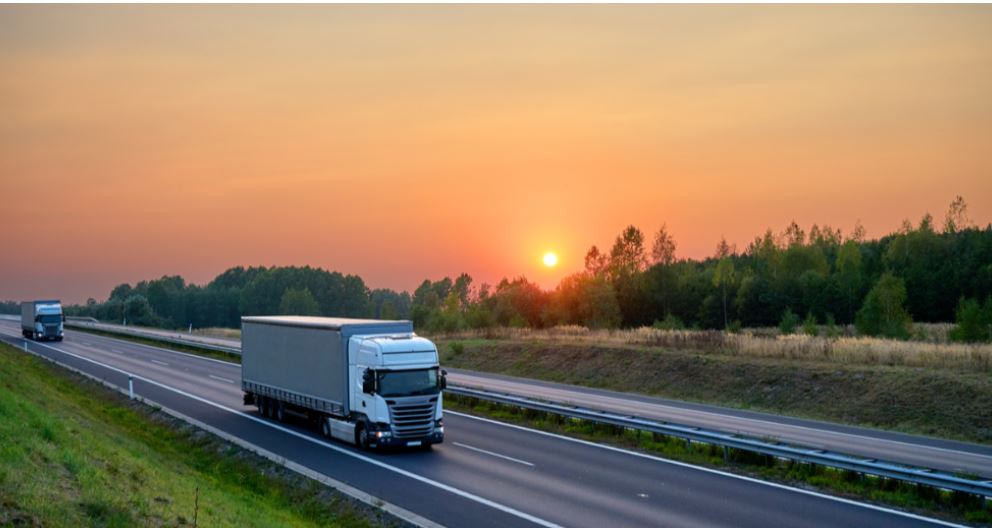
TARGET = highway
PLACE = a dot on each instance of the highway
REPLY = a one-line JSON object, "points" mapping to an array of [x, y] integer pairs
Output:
{"points": [[485, 474], [935, 453]]}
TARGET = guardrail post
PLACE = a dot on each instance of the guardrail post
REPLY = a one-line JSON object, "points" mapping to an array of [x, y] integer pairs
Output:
{"points": [[130, 386], [25, 345]]}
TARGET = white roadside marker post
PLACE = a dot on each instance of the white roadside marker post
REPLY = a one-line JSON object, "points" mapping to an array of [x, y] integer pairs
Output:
{"points": [[130, 386]]}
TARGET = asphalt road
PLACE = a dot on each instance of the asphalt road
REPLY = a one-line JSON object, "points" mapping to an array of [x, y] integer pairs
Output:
{"points": [[486, 473], [935, 453]]}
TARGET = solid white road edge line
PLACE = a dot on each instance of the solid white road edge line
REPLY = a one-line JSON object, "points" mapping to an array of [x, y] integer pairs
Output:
{"points": [[405, 473], [713, 471], [490, 453]]}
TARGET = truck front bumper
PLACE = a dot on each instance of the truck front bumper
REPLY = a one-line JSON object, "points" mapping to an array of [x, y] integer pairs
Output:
{"points": [[391, 441]]}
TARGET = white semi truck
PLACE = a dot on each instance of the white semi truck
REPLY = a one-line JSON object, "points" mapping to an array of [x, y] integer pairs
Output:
{"points": [[42, 320], [368, 382]]}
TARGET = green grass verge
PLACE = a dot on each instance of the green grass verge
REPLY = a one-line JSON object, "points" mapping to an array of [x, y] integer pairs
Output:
{"points": [[943, 403], [75, 453], [954, 506]]}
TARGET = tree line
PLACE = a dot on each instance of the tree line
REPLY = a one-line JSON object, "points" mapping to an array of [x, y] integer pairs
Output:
{"points": [[922, 272]]}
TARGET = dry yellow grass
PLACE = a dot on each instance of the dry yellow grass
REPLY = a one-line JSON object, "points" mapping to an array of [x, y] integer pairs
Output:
{"points": [[931, 353], [225, 333]]}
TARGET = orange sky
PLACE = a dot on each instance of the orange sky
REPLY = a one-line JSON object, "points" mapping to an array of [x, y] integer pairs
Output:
{"points": [[405, 142]]}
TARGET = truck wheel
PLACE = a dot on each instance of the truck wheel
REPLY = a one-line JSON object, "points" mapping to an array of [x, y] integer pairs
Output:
{"points": [[362, 437], [263, 405], [279, 413]]}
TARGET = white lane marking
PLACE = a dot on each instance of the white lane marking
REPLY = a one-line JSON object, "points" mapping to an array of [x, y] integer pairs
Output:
{"points": [[490, 453], [713, 471], [621, 405], [219, 378], [440, 485], [163, 363]]}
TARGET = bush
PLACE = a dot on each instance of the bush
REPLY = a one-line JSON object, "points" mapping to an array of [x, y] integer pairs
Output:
{"points": [[974, 321], [809, 325], [735, 326], [456, 348], [789, 322], [884, 311], [832, 331], [670, 322]]}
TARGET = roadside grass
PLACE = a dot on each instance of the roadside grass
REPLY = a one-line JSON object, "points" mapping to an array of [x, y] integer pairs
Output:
{"points": [[947, 403], [954, 506], [75, 453], [934, 351], [216, 331]]}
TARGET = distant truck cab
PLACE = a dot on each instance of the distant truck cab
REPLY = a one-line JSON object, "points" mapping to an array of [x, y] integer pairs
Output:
{"points": [[42, 320], [368, 382]]}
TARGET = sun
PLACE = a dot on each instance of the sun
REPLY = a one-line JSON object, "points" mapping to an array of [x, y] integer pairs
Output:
{"points": [[550, 259]]}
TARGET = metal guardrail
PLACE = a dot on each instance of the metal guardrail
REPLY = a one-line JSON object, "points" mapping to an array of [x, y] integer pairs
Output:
{"points": [[194, 343], [813, 456], [821, 457]]}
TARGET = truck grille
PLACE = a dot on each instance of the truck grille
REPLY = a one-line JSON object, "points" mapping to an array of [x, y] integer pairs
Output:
{"points": [[412, 419]]}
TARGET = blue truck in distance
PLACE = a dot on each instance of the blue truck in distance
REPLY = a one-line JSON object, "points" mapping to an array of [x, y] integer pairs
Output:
{"points": [[42, 320]]}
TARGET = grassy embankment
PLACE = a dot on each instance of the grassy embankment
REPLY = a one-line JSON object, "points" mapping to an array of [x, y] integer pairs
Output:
{"points": [[75, 453], [932, 388]]}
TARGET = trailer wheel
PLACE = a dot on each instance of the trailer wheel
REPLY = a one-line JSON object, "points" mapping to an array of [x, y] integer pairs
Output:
{"points": [[279, 413], [263, 406]]}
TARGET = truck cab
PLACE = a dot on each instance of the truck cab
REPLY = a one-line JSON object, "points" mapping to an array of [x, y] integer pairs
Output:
{"points": [[395, 395], [42, 320]]}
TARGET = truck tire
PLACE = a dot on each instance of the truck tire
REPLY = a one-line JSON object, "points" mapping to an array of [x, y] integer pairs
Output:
{"points": [[263, 405], [362, 437], [279, 411]]}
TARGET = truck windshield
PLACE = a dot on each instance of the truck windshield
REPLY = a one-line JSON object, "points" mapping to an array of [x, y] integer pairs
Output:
{"points": [[50, 318], [408, 382]]}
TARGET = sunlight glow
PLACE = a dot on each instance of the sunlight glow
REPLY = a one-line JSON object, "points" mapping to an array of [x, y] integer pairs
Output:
{"points": [[550, 259]]}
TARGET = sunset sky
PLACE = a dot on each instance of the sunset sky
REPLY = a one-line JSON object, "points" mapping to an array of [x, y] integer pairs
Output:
{"points": [[409, 142]]}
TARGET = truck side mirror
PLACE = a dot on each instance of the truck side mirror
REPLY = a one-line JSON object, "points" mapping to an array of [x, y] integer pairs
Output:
{"points": [[444, 379], [368, 382]]}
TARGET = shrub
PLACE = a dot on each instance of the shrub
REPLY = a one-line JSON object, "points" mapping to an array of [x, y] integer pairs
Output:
{"points": [[974, 321], [832, 331], [809, 325], [884, 311], [670, 322], [789, 322]]}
